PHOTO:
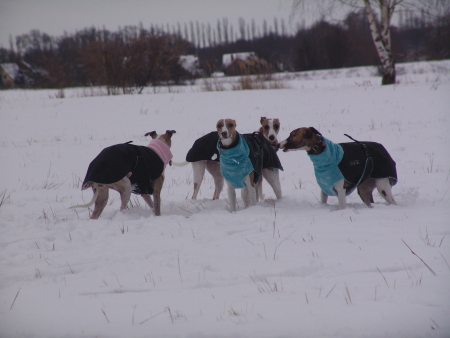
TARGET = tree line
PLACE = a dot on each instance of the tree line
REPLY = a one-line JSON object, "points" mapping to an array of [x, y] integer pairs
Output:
{"points": [[134, 57]]}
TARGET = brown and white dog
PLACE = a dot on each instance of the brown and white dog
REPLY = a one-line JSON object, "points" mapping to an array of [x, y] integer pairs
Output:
{"points": [[129, 168], [340, 168], [234, 152], [204, 156]]}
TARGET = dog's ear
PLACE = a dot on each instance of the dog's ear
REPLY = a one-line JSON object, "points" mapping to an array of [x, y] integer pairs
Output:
{"points": [[170, 132], [262, 119], [153, 134], [315, 131]]}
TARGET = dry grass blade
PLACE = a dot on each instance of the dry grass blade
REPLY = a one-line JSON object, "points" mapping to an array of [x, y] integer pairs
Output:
{"points": [[330, 291], [445, 260], [105, 315], [431, 270], [383, 277], [14, 299]]}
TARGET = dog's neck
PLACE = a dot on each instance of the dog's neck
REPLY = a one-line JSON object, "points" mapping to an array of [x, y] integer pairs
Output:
{"points": [[318, 147], [162, 149]]}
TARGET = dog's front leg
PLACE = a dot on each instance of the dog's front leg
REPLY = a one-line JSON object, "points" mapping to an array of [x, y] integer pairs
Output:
{"points": [[231, 197], [339, 187], [323, 197]]}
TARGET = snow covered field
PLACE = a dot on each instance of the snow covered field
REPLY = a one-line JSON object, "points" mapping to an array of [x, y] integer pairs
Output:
{"points": [[284, 268]]}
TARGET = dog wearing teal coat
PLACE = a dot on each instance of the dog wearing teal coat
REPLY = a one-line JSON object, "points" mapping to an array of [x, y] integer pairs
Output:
{"points": [[340, 168]]}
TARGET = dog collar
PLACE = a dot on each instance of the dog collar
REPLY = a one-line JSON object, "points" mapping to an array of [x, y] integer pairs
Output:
{"points": [[318, 147]]}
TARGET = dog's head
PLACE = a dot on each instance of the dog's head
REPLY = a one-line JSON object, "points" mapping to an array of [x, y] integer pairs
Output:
{"points": [[166, 138], [226, 128], [301, 139], [269, 129]]}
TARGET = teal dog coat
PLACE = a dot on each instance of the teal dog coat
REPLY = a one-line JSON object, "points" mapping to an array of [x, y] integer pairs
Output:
{"points": [[235, 163]]}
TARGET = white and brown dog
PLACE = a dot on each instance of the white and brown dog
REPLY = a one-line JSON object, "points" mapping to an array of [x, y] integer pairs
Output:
{"points": [[129, 168], [340, 168], [204, 155], [236, 164]]}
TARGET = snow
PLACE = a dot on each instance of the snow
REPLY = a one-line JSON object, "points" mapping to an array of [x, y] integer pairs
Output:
{"points": [[283, 268]]}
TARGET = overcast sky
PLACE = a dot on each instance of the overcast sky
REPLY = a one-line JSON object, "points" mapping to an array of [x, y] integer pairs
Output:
{"points": [[55, 17]]}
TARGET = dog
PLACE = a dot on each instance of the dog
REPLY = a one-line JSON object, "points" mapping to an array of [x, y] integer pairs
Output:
{"points": [[340, 168], [204, 155], [236, 165], [129, 168]]}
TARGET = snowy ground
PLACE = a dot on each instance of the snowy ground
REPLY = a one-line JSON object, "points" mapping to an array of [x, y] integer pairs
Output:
{"points": [[284, 268]]}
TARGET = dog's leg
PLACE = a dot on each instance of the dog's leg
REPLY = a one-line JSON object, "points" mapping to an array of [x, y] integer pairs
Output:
{"points": [[124, 189], [365, 190], [272, 176], [100, 202], [148, 200], [323, 197], [213, 168], [251, 192], [259, 190], [198, 169], [157, 186], [384, 188], [244, 196], [231, 197], [339, 187]]}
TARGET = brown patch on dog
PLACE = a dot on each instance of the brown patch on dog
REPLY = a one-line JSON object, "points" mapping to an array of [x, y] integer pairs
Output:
{"points": [[167, 137]]}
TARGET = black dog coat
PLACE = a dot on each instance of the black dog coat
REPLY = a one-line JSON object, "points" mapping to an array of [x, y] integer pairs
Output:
{"points": [[362, 160], [115, 162], [204, 149]]}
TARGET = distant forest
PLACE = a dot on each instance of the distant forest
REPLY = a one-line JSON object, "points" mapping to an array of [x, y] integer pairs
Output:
{"points": [[134, 57]]}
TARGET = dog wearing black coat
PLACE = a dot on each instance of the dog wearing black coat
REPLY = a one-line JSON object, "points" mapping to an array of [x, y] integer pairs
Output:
{"points": [[340, 168], [129, 168]]}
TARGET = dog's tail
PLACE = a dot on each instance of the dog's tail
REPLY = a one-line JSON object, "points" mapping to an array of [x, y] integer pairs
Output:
{"points": [[180, 164], [88, 205]]}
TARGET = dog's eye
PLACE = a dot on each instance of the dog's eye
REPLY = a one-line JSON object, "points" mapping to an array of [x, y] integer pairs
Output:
{"points": [[266, 127], [276, 126], [220, 125], [230, 125]]}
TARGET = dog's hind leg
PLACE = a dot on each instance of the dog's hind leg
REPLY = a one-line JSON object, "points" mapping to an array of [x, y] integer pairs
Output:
{"points": [[148, 200], [157, 187], [250, 192], [365, 190], [124, 189], [100, 202], [272, 176], [198, 169], [384, 188], [213, 168]]}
